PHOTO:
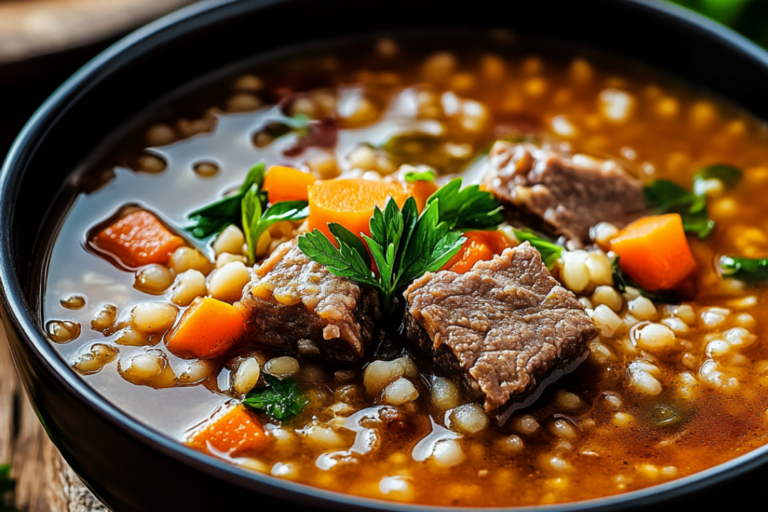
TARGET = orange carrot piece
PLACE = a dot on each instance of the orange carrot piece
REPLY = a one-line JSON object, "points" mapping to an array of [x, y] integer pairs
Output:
{"points": [[350, 203], [207, 329], [654, 252], [287, 184], [480, 246], [421, 190], [138, 239], [233, 433]]}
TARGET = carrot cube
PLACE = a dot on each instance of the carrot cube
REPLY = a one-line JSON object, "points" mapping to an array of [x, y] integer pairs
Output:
{"points": [[207, 329], [234, 432], [138, 239], [480, 246], [287, 184]]}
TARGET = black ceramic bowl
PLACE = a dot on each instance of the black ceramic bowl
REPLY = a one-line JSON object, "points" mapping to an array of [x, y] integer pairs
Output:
{"points": [[131, 467]]}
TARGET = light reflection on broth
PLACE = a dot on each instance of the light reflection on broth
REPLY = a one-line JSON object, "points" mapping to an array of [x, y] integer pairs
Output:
{"points": [[596, 432]]}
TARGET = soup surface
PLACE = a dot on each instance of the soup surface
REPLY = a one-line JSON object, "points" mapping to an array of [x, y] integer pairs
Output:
{"points": [[674, 372]]}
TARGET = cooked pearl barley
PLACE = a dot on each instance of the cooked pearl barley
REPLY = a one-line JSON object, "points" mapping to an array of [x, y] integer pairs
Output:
{"points": [[186, 258], [606, 320], [284, 365], [397, 488], [444, 394], [153, 317], [717, 348], [739, 337], [154, 279], [439, 67], [189, 285], [643, 381], [144, 367], [323, 436], [400, 392], [574, 271], [713, 317], [94, 360], [131, 337], [469, 418], [73, 302], [599, 267], [227, 283], [557, 464], [745, 320], [655, 337], [601, 353], [686, 314], [194, 372], [447, 453], [105, 318], [247, 375], [608, 296], [677, 325], [510, 445], [562, 429], [642, 308], [586, 303], [379, 374], [622, 419], [525, 425], [603, 233], [230, 240], [567, 401]]}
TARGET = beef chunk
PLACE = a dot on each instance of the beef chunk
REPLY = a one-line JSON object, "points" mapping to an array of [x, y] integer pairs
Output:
{"points": [[560, 195], [502, 329], [296, 304]]}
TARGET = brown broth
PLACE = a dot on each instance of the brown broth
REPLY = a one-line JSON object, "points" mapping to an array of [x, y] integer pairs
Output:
{"points": [[671, 131]]}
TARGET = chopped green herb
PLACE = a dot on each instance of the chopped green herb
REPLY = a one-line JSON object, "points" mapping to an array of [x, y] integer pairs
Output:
{"points": [[281, 398], [667, 196], [255, 222], [403, 243], [468, 208], [549, 250], [211, 219], [426, 175], [744, 269], [621, 281]]}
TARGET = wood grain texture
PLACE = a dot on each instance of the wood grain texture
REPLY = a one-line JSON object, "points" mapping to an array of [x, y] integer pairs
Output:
{"points": [[30, 28], [44, 482]]}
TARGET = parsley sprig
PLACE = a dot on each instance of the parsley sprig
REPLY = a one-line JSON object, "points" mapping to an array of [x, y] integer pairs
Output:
{"points": [[403, 243], [247, 208], [750, 270], [667, 196], [549, 250], [281, 398]]}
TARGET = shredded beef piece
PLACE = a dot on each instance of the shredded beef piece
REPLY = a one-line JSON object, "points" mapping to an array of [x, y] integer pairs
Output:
{"points": [[298, 305], [563, 196], [501, 329]]}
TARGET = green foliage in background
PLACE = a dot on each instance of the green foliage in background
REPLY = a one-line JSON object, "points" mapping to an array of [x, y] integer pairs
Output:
{"points": [[749, 17]]}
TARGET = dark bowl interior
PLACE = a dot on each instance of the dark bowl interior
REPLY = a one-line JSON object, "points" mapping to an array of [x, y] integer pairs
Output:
{"points": [[132, 467]]}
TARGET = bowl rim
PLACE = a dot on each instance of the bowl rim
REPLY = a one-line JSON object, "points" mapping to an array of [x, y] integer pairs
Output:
{"points": [[22, 319]]}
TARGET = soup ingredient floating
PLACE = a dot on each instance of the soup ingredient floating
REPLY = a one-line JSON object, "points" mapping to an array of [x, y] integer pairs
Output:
{"points": [[138, 239], [233, 432], [280, 398]]}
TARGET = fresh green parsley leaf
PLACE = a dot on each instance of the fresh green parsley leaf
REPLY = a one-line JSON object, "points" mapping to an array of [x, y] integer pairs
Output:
{"points": [[744, 269], [213, 218], [622, 281], [669, 197], [420, 175], [549, 250], [728, 174], [468, 208], [404, 245], [281, 399], [255, 222]]}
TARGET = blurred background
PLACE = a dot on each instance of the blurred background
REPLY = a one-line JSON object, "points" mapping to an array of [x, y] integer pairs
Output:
{"points": [[42, 42]]}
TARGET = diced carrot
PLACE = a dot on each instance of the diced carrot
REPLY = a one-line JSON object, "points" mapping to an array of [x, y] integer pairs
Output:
{"points": [[234, 432], [287, 184], [421, 190], [350, 203], [138, 239], [480, 246], [207, 329], [654, 252]]}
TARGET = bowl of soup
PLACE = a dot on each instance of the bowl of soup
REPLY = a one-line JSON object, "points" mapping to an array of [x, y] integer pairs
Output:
{"points": [[508, 258]]}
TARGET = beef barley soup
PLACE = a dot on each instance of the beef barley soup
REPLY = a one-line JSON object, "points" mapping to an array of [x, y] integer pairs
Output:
{"points": [[489, 274]]}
